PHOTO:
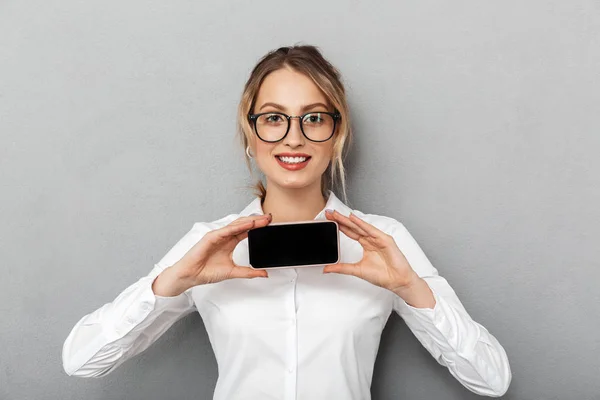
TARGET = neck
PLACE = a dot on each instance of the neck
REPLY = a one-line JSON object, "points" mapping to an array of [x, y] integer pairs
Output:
{"points": [[291, 205]]}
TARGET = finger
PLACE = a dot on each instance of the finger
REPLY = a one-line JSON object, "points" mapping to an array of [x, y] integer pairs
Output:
{"points": [[242, 227], [248, 272], [343, 268], [342, 219], [232, 230], [349, 232], [251, 217], [241, 236], [258, 223], [364, 225], [237, 228]]}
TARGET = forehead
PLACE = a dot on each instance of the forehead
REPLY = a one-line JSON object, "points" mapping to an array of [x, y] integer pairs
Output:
{"points": [[289, 88]]}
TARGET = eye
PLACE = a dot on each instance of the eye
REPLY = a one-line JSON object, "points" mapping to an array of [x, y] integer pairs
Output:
{"points": [[313, 118], [272, 118]]}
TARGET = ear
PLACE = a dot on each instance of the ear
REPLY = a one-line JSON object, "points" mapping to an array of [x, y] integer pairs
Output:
{"points": [[252, 144]]}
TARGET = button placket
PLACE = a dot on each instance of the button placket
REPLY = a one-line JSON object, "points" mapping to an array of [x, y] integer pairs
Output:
{"points": [[292, 337]]}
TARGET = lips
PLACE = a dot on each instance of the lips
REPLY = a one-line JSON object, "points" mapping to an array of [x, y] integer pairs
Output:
{"points": [[306, 158], [292, 155], [292, 166]]}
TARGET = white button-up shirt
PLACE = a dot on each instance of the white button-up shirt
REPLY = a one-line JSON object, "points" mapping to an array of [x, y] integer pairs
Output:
{"points": [[298, 334]]}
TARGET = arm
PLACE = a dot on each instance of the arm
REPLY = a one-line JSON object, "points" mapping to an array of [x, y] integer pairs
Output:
{"points": [[104, 339], [469, 351]]}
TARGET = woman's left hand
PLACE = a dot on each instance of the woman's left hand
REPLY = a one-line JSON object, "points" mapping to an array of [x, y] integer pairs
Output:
{"points": [[383, 264]]}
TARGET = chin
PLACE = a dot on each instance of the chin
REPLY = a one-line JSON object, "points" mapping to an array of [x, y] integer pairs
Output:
{"points": [[291, 182], [294, 184]]}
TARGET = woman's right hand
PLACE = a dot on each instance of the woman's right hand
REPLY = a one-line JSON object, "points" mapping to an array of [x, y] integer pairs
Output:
{"points": [[211, 259]]}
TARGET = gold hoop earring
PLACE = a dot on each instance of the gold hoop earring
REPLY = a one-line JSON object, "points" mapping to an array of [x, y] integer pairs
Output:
{"points": [[247, 152]]}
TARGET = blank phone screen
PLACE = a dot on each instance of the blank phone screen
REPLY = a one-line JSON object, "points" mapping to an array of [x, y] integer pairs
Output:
{"points": [[293, 244]]}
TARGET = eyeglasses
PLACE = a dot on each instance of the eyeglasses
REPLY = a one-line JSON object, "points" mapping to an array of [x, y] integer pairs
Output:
{"points": [[274, 126]]}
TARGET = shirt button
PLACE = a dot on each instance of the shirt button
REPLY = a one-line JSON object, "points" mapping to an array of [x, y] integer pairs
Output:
{"points": [[290, 370], [130, 320]]}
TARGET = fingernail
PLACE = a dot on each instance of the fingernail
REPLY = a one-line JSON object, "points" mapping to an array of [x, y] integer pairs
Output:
{"points": [[329, 210]]}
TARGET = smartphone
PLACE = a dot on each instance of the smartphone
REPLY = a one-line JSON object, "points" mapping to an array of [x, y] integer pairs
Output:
{"points": [[296, 244]]}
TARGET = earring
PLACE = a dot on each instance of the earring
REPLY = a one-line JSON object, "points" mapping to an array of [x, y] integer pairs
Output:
{"points": [[247, 152]]}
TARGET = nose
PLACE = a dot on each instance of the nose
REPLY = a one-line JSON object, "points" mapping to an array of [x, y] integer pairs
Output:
{"points": [[294, 137]]}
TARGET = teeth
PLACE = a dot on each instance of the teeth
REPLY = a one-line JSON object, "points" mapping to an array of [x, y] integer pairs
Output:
{"points": [[292, 160]]}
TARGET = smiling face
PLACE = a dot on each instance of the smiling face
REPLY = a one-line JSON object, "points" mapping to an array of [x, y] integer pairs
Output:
{"points": [[292, 93]]}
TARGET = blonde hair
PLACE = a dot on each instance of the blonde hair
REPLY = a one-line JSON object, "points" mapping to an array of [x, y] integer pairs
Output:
{"points": [[308, 60]]}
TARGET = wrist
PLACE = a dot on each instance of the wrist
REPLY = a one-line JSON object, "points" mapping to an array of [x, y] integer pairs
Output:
{"points": [[407, 284], [170, 283], [417, 294]]}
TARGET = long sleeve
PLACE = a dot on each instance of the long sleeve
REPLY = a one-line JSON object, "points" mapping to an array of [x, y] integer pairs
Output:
{"points": [[104, 339], [469, 351]]}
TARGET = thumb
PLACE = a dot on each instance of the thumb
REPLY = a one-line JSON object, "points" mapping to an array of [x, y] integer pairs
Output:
{"points": [[341, 268], [248, 272]]}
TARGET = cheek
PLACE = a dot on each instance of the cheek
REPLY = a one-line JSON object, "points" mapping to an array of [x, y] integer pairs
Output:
{"points": [[328, 154], [325, 158], [264, 154], [265, 151]]}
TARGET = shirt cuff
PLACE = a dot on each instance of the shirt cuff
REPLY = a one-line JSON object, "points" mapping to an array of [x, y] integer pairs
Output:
{"points": [[146, 307], [449, 328], [425, 313]]}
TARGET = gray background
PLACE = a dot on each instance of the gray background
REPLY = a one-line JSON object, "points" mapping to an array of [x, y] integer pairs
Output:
{"points": [[477, 125]]}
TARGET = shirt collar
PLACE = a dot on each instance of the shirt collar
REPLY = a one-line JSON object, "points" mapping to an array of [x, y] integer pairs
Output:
{"points": [[333, 203]]}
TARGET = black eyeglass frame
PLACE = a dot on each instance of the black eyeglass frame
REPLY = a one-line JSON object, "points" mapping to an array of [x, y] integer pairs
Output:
{"points": [[335, 115]]}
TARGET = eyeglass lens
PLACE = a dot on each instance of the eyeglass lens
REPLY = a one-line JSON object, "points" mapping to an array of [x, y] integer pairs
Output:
{"points": [[316, 126]]}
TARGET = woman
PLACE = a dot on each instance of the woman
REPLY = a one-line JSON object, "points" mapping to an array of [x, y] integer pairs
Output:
{"points": [[301, 333]]}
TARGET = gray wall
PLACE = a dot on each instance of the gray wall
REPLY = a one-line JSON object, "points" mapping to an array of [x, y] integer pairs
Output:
{"points": [[477, 126]]}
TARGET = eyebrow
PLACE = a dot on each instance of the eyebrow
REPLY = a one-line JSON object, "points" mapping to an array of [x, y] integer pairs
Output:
{"points": [[282, 108]]}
